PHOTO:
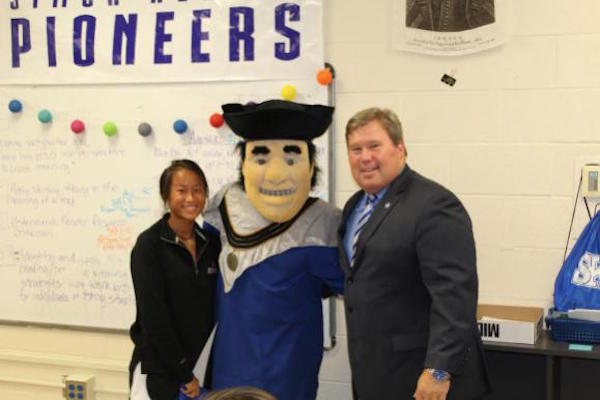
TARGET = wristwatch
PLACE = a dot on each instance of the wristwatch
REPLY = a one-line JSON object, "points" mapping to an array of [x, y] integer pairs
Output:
{"points": [[438, 374]]}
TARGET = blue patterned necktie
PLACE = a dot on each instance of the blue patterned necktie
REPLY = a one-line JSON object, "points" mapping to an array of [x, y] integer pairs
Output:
{"points": [[362, 220]]}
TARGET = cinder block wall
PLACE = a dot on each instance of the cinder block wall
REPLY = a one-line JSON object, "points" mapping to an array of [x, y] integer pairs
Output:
{"points": [[509, 139]]}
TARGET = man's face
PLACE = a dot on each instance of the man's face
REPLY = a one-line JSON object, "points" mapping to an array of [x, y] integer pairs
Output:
{"points": [[374, 159], [277, 177]]}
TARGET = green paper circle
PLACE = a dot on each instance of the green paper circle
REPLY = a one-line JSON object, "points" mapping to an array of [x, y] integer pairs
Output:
{"points": [[110, 128], [44, 116]]}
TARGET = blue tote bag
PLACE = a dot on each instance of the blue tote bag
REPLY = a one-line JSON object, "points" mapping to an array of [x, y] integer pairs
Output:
{"points": [[578, 282]]}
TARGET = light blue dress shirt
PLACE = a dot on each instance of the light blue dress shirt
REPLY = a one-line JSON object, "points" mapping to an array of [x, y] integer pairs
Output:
{"points": [[351, 224]]}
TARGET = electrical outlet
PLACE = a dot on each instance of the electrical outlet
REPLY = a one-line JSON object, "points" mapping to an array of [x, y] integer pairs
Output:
{"points": [[78, 387]]}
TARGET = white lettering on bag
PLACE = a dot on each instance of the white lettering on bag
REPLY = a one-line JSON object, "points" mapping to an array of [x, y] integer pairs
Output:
{"points": [[587, 272]]}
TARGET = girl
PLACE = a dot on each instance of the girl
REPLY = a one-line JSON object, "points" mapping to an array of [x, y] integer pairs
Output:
{"points": [[173, 267]]}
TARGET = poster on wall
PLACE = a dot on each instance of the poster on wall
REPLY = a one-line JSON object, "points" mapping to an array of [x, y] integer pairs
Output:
{"points": [[449, 27], [112, 41]]}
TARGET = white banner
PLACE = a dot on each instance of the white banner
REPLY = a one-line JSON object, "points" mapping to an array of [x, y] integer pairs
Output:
{"points": [[449, 27], [117, 41]]}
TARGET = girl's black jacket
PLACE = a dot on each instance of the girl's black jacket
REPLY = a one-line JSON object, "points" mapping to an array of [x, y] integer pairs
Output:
{"points": [[175, 305]]}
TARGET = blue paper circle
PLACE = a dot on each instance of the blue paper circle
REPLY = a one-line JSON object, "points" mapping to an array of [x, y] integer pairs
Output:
{"points": [[180, 126], [15, 106]]}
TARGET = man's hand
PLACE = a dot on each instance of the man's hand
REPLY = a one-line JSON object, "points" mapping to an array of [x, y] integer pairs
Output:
{"points": [[192, 388], [430, 389]]}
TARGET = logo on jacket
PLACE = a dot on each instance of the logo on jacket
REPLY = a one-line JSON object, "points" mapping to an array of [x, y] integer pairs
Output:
{"points": [[212, 269]]}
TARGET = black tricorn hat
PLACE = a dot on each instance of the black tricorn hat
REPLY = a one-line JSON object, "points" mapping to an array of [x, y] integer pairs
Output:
{"points": [[277, 119]]}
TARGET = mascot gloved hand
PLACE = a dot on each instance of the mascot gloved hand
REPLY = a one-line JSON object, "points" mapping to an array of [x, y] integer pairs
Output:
{"points": [[279, 253]]}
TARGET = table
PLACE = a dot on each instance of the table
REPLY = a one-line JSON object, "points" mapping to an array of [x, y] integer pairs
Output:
{"points": [[546, 370]]}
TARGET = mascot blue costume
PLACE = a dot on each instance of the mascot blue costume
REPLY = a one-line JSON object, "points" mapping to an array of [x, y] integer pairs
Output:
{"points": [[279, 253]]}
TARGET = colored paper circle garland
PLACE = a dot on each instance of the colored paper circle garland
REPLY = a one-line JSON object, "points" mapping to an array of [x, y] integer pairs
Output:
{"points": [[288, 92]]}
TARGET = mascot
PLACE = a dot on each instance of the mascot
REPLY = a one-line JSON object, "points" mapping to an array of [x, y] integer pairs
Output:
{"points": [[279, 253]]}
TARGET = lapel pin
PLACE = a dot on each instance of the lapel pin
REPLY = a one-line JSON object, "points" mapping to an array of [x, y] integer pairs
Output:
{"points": [[387, 205]]}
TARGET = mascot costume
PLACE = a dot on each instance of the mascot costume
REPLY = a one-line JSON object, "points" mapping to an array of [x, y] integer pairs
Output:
{"points": [[279, 253]]}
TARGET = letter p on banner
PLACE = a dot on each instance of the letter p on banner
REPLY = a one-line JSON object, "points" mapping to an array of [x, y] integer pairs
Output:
{"points": [[20, 39]]}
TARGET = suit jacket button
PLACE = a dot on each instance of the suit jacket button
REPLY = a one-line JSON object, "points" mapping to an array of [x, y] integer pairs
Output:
{"points": [[350, 281], [350, 309]]}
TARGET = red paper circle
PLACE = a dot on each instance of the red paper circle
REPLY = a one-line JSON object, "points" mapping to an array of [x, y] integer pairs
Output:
{"points": [[216, 120], [77, 126]]}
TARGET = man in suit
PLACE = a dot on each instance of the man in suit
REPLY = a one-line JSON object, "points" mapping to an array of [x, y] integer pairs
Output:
{"points": [[407, 250]]}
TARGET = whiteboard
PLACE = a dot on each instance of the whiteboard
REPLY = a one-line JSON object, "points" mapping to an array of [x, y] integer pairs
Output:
{"points": [[73, 205]]}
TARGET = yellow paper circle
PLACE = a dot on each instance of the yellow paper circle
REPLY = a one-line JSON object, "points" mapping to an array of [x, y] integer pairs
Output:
{"points": [[288, 92]]}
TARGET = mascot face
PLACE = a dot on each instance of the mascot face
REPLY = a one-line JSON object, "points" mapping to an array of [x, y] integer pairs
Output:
{"points": [[277, 176]]}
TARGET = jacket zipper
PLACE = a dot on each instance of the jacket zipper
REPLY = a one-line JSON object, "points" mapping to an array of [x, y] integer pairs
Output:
{"points": [[194, 264]]}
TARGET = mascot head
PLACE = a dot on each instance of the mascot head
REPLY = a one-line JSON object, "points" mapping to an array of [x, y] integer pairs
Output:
{"points": [[278, 167]]}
